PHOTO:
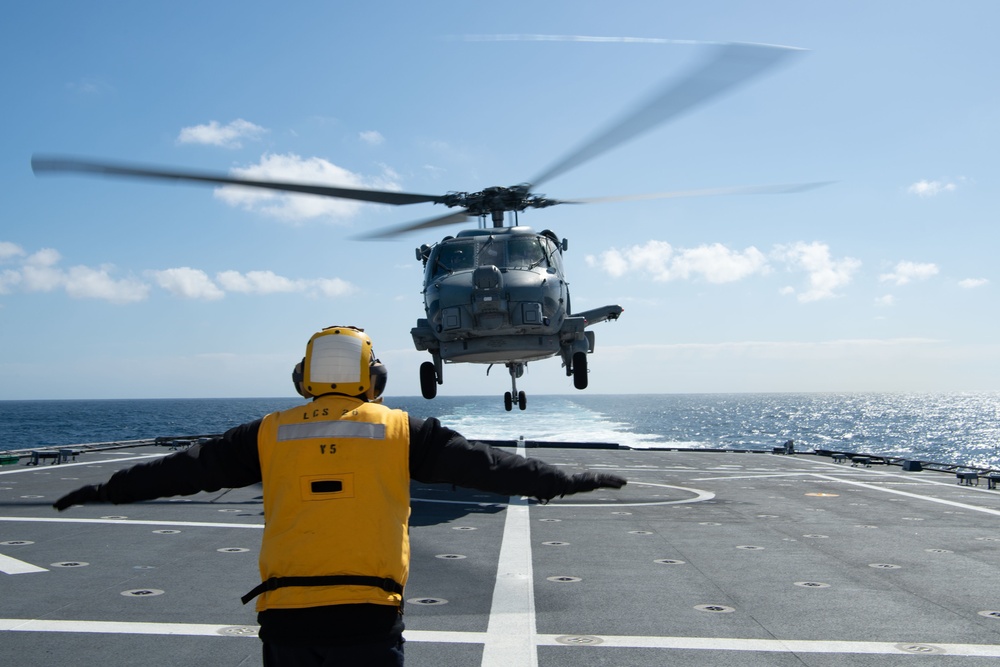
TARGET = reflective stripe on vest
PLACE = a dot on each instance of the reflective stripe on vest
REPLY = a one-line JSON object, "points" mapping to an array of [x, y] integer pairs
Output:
{"points": [[331, 430]]}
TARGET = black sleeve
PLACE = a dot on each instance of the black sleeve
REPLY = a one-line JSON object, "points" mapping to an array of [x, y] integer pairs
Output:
{"points": [[228, 461], [439, 454]]}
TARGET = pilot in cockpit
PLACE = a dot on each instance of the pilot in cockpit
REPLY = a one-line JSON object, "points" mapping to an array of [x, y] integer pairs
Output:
{"points": [[454, 257], [524, 253]]}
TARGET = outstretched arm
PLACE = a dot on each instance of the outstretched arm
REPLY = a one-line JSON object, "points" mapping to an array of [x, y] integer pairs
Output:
{"points": [[439, 454], [229, 461]]}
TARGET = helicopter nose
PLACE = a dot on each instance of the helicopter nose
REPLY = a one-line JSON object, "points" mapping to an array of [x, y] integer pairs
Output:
{"points": [[487, 278]]}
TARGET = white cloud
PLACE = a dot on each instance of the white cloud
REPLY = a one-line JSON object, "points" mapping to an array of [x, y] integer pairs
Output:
{"points": [[295, 207], [40, 272], [826, 275], [886, 300], [334, 287], [267, 282], [372, 137], [226, 136], [972, 283], [925, 189], [10, 250], [187, 283], [714, 263], [85, 282], [906, 272], [718, 264], [9, 280], [44, 258], [256, 282], [613, 262]]}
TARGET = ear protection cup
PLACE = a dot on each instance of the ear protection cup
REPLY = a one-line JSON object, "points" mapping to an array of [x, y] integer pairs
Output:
{"points": [[379, 376], [297, 379]]}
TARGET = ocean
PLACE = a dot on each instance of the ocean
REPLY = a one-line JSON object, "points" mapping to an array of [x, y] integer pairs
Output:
{"points": [[956, 428]]}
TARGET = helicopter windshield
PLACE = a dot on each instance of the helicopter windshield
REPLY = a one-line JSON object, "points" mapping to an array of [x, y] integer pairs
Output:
{"points": [[525, 253], [455, 256], [490, 253]]}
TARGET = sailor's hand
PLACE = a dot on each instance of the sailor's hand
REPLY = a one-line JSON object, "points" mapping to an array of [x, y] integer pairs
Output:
{"points": [[589, 481], [85, 494]]}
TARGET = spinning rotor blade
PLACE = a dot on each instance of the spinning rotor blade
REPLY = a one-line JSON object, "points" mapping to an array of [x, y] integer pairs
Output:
{"points": [[449, 219], [51, 164], [729, 66], [707, 192]]}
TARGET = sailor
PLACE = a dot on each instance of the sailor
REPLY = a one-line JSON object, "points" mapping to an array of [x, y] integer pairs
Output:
{"points": [[334, 555]]}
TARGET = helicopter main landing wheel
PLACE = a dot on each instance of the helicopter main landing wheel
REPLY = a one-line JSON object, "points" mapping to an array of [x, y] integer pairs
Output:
{"points": [[509, 399], [580, 370], [428, 380]]}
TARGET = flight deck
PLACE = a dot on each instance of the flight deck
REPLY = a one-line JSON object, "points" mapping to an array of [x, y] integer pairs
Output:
{"points": [[705, 557]]}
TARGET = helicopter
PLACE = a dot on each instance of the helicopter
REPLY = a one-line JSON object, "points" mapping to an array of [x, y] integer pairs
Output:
{"points": [[498, 293]]}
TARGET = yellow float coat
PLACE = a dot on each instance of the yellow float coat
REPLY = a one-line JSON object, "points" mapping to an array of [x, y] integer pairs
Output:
{"points": [[336, 501]]}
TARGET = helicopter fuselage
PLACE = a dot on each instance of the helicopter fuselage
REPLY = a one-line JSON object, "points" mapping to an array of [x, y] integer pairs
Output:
{"points": [[499, 295], [493, 295]]}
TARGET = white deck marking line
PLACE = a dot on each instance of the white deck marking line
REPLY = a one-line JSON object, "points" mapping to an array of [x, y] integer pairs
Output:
{"points": [[117, 627], [49, 467], [447, 637], [510, 633], [778, 645], [131, 522], [605, 641], [699, 496], [873, 487], [910, 479], [907, 478], [15, 566], [722, 477]]}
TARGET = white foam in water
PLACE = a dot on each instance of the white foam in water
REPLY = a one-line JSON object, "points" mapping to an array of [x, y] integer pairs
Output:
{"points": [[551, 420]]}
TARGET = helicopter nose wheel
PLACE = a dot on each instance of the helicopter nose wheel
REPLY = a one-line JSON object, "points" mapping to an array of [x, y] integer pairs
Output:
{"points": [[516, 371], [580, 370]]}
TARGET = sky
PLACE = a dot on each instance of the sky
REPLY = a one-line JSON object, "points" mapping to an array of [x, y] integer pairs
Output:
{"points": [[884, 280]]}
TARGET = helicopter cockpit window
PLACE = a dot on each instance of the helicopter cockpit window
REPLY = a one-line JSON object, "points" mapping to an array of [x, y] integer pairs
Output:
{"points": [[525, 253], [454, 256], [490, 253]]}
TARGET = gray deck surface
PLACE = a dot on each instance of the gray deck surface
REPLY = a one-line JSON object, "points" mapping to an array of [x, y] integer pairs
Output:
{"points": [[704, 558]]}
